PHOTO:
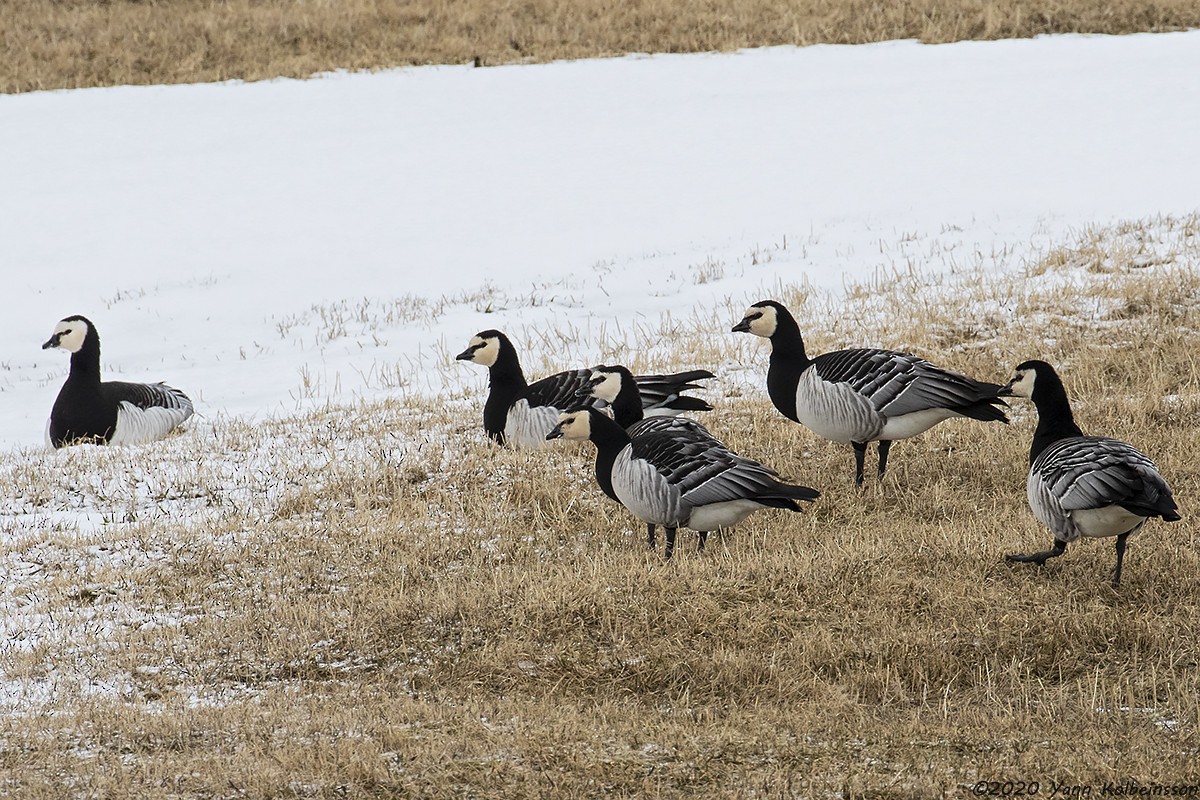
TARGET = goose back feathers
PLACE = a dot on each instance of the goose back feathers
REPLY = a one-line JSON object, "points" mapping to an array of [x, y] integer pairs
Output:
{"points": [[90, 411], [1079, 485]]}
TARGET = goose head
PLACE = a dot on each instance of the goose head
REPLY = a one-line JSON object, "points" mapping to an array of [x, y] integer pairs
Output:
{"points": [[606, 382], [69, 334], [484, 348], [1029, 377], [761, 319], [572, 425]]}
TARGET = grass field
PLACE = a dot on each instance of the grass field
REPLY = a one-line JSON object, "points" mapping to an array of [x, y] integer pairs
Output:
{"points": [[53, 44], [373, 601]]}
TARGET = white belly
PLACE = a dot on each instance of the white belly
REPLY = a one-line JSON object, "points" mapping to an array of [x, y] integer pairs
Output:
{"points": [[907, 425], [526, 428], [1107, 521], [721, 515]]}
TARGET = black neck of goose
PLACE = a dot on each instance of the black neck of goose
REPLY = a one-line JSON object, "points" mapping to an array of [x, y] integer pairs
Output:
{"points": [[85, 362], [786, 343], [609, 438], [505, 381], [788, 360], [627, 407], [1055, 420]]}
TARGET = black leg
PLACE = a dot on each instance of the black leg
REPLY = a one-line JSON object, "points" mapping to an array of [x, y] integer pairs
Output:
{"points": [[884, 446], [670, 541], [860, 456], [703, 539], [1120, 558], [650, 535], [1039, 558]]}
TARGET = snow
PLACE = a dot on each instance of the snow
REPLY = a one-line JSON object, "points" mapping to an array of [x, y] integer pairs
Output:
{"points": [[272, 246]]}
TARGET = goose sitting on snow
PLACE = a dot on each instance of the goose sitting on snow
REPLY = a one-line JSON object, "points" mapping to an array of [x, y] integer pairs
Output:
{"points": [[522, 413], [678, 476], [89, 411], [862, 395], [1083, 485]]}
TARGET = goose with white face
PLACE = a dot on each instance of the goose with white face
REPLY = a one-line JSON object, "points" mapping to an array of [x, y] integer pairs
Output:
{"points": [[605, 385], [90, 411], [1021, 385], [759, 320], [1078, 485], [68, 335], [678, 476], [481, 350], [574, 425]]}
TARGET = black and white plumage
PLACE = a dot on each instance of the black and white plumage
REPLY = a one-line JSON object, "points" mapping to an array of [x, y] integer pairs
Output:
{"points": [[522, 413], [678, 476], [1083, 485], [863, 395], [618, 389], [89, 411]]}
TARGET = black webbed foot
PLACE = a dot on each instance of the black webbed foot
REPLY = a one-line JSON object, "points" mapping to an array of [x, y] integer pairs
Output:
{"points": [[1039, 558]]}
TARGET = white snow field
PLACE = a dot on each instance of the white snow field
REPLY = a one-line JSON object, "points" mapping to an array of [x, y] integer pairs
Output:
{"points": [[272, 246]]}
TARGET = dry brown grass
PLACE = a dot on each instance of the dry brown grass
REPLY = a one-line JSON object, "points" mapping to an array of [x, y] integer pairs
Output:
{"points": [[52, 44], [373, 601]]}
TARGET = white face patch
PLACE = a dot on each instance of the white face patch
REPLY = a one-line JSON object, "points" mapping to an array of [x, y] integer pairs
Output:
{"points": [[575, 425], [608, 388], [762, 321], [71, 334], [1022, 385], [486, 350]]}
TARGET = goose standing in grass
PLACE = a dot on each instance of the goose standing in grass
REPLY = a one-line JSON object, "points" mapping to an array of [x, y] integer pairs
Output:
{"points": [[522, 413], [862, 395], [617, 388], [1083, 485], [678, 476], [89, 411]]}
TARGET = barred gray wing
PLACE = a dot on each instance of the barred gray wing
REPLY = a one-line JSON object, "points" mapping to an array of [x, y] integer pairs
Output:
{"points": [[1092, 472], [900, 383], [701, 467], [560, 390]]}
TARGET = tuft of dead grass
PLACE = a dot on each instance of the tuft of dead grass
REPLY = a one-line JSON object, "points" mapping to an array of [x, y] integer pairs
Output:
{"points": [[372, 600], [56, 44]]}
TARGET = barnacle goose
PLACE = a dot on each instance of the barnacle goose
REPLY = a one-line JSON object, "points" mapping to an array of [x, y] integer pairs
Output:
{"points": [[1083, 485], [678, 476], [862, 395], [89, 411], [523, 413], [617, 387]]}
